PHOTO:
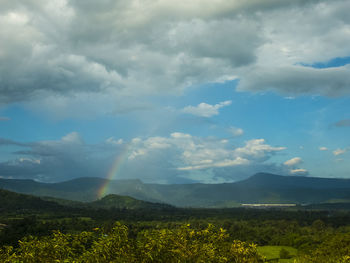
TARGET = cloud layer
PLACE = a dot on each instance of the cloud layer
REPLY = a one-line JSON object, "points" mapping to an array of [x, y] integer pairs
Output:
{"points": [[130, 48], [343, 123]]}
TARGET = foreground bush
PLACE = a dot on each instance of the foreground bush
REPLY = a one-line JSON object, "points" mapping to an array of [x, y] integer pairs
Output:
{"points": [[183, 244]]}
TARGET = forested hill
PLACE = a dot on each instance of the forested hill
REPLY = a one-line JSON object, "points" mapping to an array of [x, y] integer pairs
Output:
{"points": [[10, 201], [260, 188], [125, 202], [15, 202]]}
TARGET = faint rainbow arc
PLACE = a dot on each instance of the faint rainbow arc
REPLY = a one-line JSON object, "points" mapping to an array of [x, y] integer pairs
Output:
{"points": [[114, 170]]}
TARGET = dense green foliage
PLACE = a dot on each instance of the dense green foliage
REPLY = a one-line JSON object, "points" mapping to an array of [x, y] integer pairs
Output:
{"points": [[176, 242], [284, 254], [316, 241], [182, 244], [335, 249]]}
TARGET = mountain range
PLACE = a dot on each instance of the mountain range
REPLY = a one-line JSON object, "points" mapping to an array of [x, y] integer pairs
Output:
{"points": [[259, 188]]}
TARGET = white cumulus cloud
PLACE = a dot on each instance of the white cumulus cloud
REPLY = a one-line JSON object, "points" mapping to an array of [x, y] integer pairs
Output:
{"points": [[72, 137], [236, 131], [210, 164], [299, 171], [206, 110], [339, 151], [111, 140], [257, 148], [294, 161]]}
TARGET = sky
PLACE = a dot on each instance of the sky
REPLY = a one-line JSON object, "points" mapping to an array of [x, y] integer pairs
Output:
{"points": [[167, 91]]}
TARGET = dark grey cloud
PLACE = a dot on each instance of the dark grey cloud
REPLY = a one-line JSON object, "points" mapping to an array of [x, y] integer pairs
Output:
{"points": [[20, 170], [342, 123], [4, 141], [4, 118], [293, 80], [59, 160]]}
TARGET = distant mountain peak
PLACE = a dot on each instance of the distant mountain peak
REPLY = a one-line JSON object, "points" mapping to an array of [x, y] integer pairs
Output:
{"points": [[262, 178], [261, 174]]}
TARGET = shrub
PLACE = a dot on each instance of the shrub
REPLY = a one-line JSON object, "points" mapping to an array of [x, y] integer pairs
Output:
{"points": [[284, 254]]}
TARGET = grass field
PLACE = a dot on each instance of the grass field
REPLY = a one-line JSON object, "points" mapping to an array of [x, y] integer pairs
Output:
{"points": [[272, 253]]}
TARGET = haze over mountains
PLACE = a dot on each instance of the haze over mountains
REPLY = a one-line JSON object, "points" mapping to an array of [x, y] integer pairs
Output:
{"points": [[259, 188]]}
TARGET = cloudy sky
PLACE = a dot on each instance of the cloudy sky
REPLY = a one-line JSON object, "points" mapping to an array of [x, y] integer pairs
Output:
{"points": [[174, 91]]}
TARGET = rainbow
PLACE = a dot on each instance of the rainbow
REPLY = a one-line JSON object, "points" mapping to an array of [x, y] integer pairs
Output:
{"points": [[114, 170]]}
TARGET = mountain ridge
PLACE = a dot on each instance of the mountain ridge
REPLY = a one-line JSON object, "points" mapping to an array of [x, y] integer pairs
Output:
{"points": [[259, 188], [300, 181]]}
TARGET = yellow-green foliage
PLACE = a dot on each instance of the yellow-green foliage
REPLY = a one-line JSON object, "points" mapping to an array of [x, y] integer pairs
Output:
{"points": [[336, 249], [188, 245], [183, 244]]}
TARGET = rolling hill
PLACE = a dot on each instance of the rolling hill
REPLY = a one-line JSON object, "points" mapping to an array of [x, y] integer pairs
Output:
{"points": [[125, 202]]}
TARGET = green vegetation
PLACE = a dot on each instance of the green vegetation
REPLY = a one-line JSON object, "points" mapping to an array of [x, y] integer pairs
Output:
{"points": [[30, 228]]}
